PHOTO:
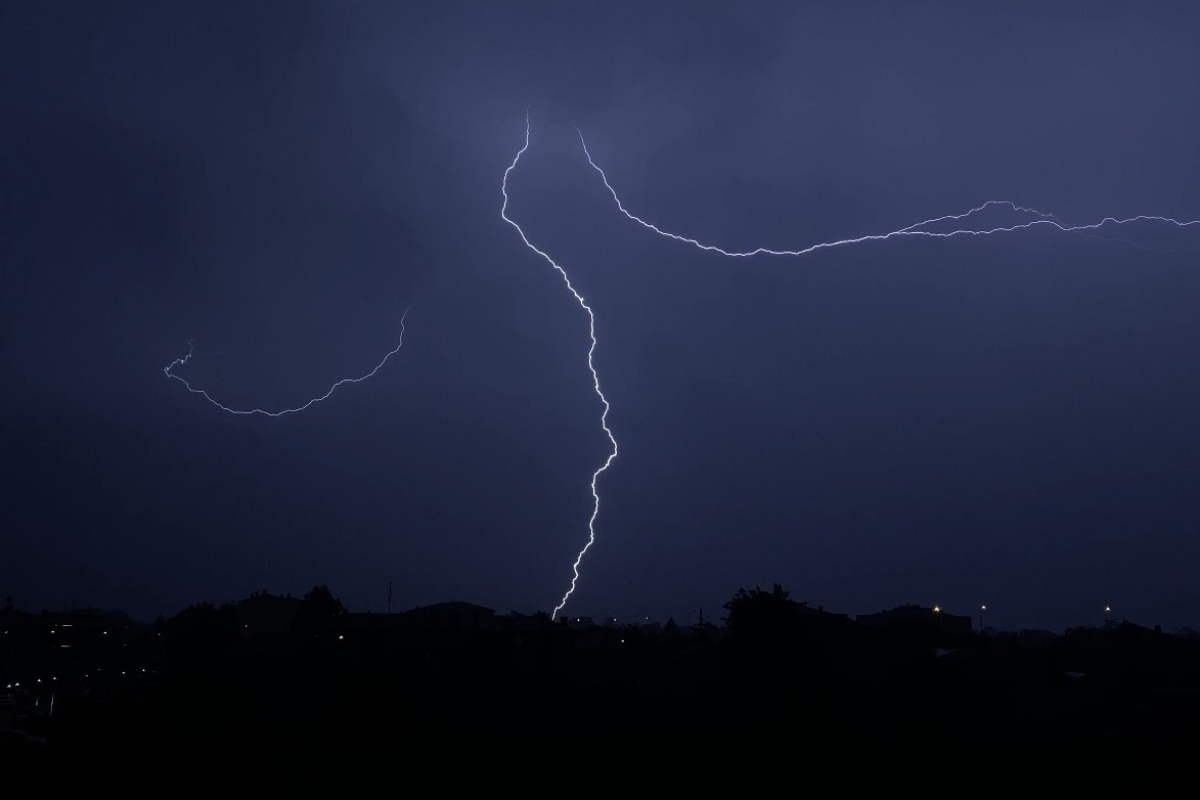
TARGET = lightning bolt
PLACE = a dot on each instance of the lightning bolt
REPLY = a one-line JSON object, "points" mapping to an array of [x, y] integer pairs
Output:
{"points": [[179, 362], [916, 229], [591, 366], [919, 229]]}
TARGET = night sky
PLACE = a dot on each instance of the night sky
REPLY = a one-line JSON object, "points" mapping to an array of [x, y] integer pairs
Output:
{"points": [[1007, 420]]}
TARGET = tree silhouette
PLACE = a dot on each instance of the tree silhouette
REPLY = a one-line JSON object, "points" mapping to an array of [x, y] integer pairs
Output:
{"points": [[761, 615], [773, 654], [201, 632], [317, 608]]}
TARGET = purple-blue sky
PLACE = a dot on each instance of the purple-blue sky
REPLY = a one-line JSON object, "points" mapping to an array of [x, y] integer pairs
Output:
{"points": [[1008, 421]]}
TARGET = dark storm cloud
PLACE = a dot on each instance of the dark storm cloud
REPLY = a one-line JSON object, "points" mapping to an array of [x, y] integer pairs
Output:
{"points": [[1002, 420]]}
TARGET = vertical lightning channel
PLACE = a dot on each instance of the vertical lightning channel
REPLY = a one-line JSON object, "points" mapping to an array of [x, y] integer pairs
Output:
{"points": [[591, 366], [965, 224], [169, 371]]}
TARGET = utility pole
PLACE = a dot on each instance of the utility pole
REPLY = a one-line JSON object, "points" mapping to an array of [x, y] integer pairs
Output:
{"points": [[389, 597]]}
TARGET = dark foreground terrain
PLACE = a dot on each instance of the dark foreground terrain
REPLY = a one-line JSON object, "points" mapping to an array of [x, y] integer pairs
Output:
{"points": [[316, 677]]}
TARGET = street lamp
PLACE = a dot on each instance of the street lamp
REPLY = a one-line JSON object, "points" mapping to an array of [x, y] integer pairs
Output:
{"points": [[981, 610]]}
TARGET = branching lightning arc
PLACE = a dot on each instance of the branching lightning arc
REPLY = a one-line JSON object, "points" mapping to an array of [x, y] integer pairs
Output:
{"points": [[959, 224], [917, 229], [179, 362], [591, 366], [1034, 218]]}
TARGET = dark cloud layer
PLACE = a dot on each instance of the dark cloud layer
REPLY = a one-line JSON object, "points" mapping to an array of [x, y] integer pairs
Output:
{"points": [[1008, 421]]}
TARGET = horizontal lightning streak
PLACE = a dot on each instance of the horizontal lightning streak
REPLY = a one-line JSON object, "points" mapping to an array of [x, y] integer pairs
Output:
{"points": [[591, 366], [912, 230], [179, 362]]}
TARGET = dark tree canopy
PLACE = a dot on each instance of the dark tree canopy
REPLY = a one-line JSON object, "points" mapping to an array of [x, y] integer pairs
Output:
{"points": [[202, 630], [762, 614], [316, 608]]}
